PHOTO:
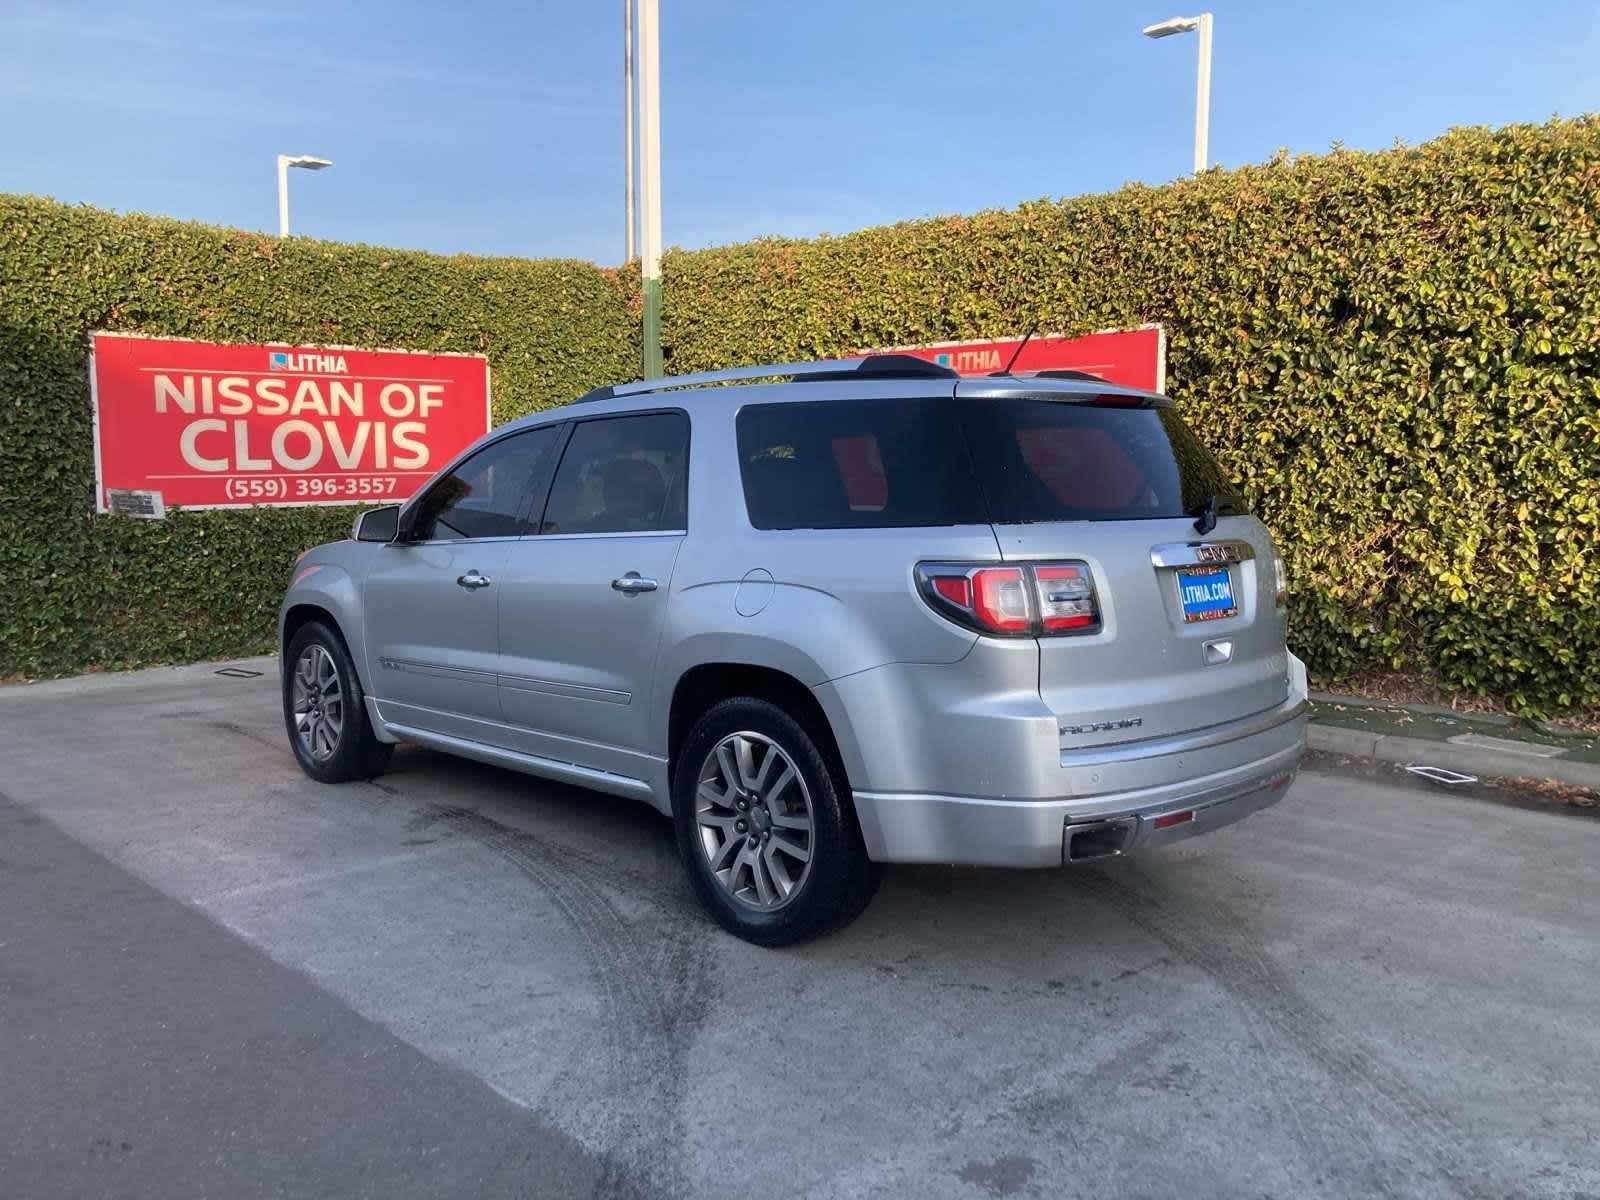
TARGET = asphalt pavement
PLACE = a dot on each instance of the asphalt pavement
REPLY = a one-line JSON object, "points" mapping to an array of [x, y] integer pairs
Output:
{"points": [[218, 978], [148, 1051]]}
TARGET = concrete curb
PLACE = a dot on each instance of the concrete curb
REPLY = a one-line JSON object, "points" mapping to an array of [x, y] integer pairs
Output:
{"points": [[1434, 710], [1388, 747], [112, 681]]}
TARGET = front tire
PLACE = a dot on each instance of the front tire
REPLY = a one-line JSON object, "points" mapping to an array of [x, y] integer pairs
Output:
{"points": [[765, 828], [325, 711]]}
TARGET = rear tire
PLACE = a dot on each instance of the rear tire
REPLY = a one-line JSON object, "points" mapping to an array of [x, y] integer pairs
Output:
{"points": [[325, 710], [765, 826]]}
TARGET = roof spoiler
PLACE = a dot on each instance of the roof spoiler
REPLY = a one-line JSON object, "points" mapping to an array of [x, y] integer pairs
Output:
{"points": [[1065, 386]]}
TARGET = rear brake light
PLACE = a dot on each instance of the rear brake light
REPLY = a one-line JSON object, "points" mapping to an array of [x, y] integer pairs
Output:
{"points": [[1000, 599], [1027, 600]]}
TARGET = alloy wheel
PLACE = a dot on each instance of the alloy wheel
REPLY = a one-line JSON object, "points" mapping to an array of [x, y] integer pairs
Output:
{"points": [[754, 820], [318, 702]]}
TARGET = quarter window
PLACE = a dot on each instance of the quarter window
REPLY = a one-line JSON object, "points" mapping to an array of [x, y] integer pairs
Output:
{"points": [[487, 495], [855, 464], [622, 475]]}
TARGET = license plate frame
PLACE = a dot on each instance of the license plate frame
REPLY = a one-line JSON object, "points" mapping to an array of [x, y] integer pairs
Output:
{"points": [[1211, 606]]}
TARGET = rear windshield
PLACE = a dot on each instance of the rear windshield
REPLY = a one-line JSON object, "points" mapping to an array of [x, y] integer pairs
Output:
{"points": [[1043, 461], [866, 464]]}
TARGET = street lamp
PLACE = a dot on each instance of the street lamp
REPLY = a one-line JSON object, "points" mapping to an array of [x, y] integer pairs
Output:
{"points": [[1202, 87], [308, 161]]}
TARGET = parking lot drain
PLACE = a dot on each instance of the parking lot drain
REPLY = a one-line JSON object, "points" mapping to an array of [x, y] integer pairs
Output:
{"points": [[1441, 775], [238, 672]]}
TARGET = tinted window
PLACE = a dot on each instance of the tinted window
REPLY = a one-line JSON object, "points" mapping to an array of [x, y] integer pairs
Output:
{"points": [[622, 475], [486, 496], [855, 464], [1049, 461]]}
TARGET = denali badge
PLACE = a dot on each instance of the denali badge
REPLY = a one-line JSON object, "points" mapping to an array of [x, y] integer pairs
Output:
{"points": [[1104, 726]]}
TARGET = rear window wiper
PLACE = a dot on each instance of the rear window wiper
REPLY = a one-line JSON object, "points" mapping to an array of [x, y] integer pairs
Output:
{"points": [[1205, 515]]}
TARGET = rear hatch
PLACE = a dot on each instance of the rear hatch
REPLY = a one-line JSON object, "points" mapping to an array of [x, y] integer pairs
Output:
{"points": [[1188, 628]]}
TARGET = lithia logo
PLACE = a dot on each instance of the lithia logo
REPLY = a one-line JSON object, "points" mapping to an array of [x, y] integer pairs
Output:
{"points": [[1104, 726], [297, 360], [970, 362]]}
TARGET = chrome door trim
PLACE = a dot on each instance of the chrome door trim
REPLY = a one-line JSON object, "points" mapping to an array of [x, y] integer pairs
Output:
{"points": [[568, 691], [543, 537], [1201, 554], [624, 533], [475, 541], [439, 670]]}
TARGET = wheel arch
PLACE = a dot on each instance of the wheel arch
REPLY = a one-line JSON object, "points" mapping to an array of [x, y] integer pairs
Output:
{"points": [[303, 612], [297, 616], [326, 592], [705, 684]]}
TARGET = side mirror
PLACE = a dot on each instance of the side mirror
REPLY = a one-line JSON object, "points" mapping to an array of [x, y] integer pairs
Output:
{"points": [[377, 524]]}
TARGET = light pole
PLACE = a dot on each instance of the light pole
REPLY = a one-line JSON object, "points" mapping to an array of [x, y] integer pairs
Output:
{"points": [[1202, 85], [308, 161], [628, 216], [650, 180]]}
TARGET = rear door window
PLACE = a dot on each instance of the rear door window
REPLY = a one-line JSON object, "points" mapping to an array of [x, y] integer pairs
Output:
{"points": [[622, 475], [855, 464], [1051, 461]]}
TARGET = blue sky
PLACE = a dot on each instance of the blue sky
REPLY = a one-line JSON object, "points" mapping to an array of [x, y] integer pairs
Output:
{"points": [[495, 127]]}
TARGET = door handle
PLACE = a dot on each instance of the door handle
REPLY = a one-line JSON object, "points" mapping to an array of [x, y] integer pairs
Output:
{"points": [[632, 584], [472, 580]]}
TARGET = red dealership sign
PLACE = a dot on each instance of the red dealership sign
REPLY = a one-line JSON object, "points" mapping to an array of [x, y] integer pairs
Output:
{"points": [[1131, 357], [205, 425]]}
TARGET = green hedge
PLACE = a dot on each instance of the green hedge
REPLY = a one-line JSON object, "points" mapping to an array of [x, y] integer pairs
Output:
{"points": [[1395, 353], [76, 590]]}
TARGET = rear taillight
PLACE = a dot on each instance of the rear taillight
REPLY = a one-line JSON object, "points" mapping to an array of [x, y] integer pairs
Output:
{"points": [[1066, 597], [1000, 599], [1043, 599], [1280, 575]]}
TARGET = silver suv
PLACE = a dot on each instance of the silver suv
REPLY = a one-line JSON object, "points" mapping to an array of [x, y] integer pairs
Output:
{"points": [[825, 616]]}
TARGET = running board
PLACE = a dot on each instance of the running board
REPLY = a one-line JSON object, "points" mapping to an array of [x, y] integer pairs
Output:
{"points": [[528, 764]]}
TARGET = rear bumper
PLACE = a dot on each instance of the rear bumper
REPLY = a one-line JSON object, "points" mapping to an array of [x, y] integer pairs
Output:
{"points": [[977, 831]]}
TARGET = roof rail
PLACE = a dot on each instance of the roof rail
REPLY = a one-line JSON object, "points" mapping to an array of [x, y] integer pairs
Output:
{"points": [[870, 366]]}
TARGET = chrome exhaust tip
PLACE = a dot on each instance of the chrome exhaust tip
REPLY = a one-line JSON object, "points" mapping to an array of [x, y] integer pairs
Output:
{"points": [[1098, 839]]}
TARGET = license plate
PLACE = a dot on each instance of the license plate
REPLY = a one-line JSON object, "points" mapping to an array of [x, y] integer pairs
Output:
{"points": [[1206, 593]]}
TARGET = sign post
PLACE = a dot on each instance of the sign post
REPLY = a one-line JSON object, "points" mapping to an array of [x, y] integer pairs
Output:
{"points": [[650, 181], [207, 425]]}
